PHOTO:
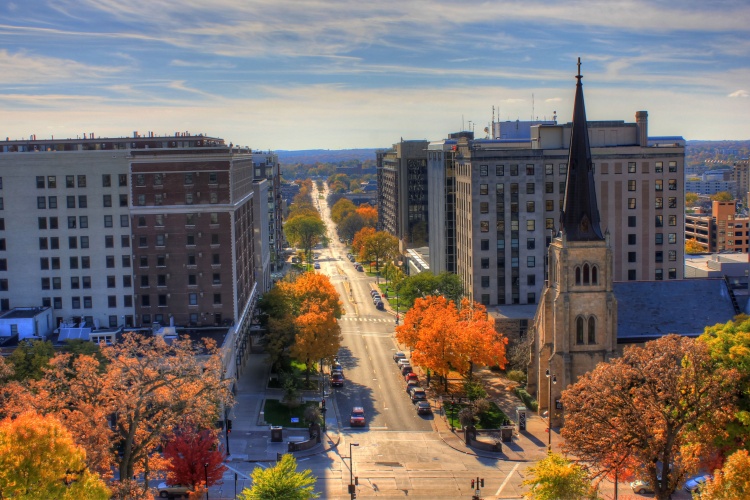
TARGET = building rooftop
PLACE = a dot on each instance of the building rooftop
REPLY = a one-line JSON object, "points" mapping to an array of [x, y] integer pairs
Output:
{"points": [[647, 310], [23, 312]]}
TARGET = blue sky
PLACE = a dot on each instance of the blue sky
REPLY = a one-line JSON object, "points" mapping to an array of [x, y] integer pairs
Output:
{"points": [[303, 74]]}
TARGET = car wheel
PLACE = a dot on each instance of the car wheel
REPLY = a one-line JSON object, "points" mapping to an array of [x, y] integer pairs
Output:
{"points": [[641, 491], [163, 494]]}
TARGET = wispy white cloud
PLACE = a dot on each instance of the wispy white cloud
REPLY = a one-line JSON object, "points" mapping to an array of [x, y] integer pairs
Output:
{"points": [[739, 93], [31, 69]]}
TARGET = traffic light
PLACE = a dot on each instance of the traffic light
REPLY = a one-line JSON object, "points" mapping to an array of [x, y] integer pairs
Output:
{"points": [[481, 483], [229, 426], [472, 484], [323, 403]]}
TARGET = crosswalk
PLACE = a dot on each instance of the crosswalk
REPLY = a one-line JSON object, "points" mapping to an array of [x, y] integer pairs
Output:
{"points": [[369, 320]]}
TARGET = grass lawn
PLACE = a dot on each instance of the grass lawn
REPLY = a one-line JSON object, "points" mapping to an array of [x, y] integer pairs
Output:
{"points": [[278, 414], [492, 419]]}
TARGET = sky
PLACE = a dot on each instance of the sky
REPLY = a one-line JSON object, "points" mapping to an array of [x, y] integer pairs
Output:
{"points": [[334, 74]]}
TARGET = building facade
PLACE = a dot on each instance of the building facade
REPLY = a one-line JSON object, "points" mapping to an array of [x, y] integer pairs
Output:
{"points": [[266, 166], [722, 231], [402, 193], [509, 193], [128, 231]]}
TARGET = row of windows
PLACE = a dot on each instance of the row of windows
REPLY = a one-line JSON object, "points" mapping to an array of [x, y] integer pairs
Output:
{"points": [[191, 260], [515, 298], [188, 178], [514, 169], [190, 219], [83, 262], [161, 300], [161, 280], [72, 181]]}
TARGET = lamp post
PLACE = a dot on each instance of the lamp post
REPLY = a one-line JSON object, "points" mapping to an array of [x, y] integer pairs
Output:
{"points": [[205, 468], [351, 471], [551, 379], [397, 306]]}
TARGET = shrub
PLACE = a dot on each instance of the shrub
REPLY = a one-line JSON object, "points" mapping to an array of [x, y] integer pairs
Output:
{"points": [[482, 406], [466, 417], [529, 401], [516, 376]]}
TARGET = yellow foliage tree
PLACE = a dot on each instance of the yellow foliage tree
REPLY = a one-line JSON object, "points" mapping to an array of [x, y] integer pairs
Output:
{"points": [[730, 482], [39, 459], [693, 247], [557, 478]]}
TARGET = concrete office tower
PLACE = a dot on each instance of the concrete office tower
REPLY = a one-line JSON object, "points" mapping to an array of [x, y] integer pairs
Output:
{"points": [[508, 195], [402, 193], [129, 231]]}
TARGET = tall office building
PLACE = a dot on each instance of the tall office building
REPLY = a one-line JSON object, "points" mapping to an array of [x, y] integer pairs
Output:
{"points": [[721, 231], [508, 197], [402, 193], [266, 166], [129, 231]]}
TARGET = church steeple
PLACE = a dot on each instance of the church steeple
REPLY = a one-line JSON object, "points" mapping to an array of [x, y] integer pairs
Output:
{"points": [[580, 217]]}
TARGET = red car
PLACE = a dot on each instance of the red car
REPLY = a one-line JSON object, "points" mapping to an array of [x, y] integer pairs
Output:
{"points": [[411, 376], [357, 418]]}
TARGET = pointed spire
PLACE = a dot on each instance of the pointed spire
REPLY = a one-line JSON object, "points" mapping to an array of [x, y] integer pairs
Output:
{"points": [[580, 217]]}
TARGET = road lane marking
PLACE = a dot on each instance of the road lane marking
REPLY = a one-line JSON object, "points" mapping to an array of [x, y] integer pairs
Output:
{"points": [[500, 489]]}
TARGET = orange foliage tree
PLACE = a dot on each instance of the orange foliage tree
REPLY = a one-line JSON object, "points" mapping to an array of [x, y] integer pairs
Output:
{"points": [[188, 451], [359, 239], [661, 404], [369, 214], [731, 481], [443, 338]]}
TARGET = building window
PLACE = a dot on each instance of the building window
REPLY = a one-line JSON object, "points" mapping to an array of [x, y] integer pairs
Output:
{"points": [[189, 178], [192, 280], [631, 167], [631, 203], [106, 180], [672, 220], [125, 241], [111, 282], [592, 330], [45, 281], [484, 245], [83, 221], [191, 259], [530, 206], [217, 298], [192, 299], [673, 184], [484, 226], [549, 205], [123, 180], [673, 166], [561, 188], [549, 169], [530, 261], [214, 239], [659, 202], [107, 200], [563, 168], [631, 275], [499, 170], [71, 222], [158, 199], [631, 257], [659, 256], [162, 300], [52, 202], [73, 262], [485, 280], [86, 262], [659, 185], [158, 179], [659, 274], [215, 259], [484, 207], [41, 202], [530, 243], [160, 240], [672, 202], [485, 263], [126, 261], [483, 170], [109, 261], [631, 239], [40, 182], [579, 330], [43, 244], [81, 181], [659, 222], [188, 198], [659, 167], [631, 185], [70, 181], [107, 221], [146, 300], [484, 189], [75, 302], [123, 200], [549, 223], [672, 255], [112, 301], [514, 170], [672, 238], [127, 281], [531, 280], [83, 201], [672, 273], [594, 275]]}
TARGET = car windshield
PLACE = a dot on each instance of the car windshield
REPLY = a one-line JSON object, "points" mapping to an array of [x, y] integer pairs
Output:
{"points": [[358, 414]]}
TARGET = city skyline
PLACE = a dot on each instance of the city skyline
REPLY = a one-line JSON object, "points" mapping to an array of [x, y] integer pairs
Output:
{"points": [[272, 75]]}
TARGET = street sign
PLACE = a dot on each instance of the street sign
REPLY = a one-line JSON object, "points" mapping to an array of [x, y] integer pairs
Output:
{"points": [[295, 420]]}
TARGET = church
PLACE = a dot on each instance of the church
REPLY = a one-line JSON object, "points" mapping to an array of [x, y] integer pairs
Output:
{"points": [[584, 317]]}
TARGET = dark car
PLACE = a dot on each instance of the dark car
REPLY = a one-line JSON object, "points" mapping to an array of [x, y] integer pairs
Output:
{"points": [[406, 369], [423, 408], [337, 380], [374, 293], [694, 484], [379, 306], [357, 418], [399, 355]]}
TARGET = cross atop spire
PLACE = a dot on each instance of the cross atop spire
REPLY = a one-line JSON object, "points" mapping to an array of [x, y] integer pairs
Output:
{"points": [[579, 219]]}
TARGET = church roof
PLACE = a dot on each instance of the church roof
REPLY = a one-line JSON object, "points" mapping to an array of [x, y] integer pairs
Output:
{"points": [[580, 217], [650, 309]]}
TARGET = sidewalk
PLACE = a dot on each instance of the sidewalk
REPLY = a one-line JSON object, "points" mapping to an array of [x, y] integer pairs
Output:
{"points": [[250, 439]]}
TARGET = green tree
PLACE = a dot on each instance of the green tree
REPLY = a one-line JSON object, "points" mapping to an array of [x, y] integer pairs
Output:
{"points": [[281, 482], [557, 478], [341, 209], [39, 459], [30, 359], [305, 231], [722, 196], [425, 283], [691, 199], [351, 225]]}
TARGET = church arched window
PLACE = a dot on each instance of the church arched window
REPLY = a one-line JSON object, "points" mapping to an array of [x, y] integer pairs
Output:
{"points": [[592, 330], [594, 275], [579, 330], [578, 275], [585, 274]]}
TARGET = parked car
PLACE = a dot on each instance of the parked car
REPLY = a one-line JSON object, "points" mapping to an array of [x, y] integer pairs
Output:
{"points": [[411, 384], [374, 293], [357, 418], [177, 490], [406, 369], [693, 484], [423, 408], [316, 265], [356, 264], [376, 299], [337, 380], [402, 361], [360, 268], [379, 306], [411, 376], [398, 355], [418, 394], [640, 486]]}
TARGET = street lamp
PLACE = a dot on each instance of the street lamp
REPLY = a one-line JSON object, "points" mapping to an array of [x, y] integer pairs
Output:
{"points": [[351, 471], [397, 306], [551, 379], [205, 468]]}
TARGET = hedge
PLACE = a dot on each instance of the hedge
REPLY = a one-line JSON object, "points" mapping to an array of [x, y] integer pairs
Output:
{"points": [[529, 401]]}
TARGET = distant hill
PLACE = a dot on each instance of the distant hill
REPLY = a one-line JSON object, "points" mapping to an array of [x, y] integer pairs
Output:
{"points": [[311, 156]]}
